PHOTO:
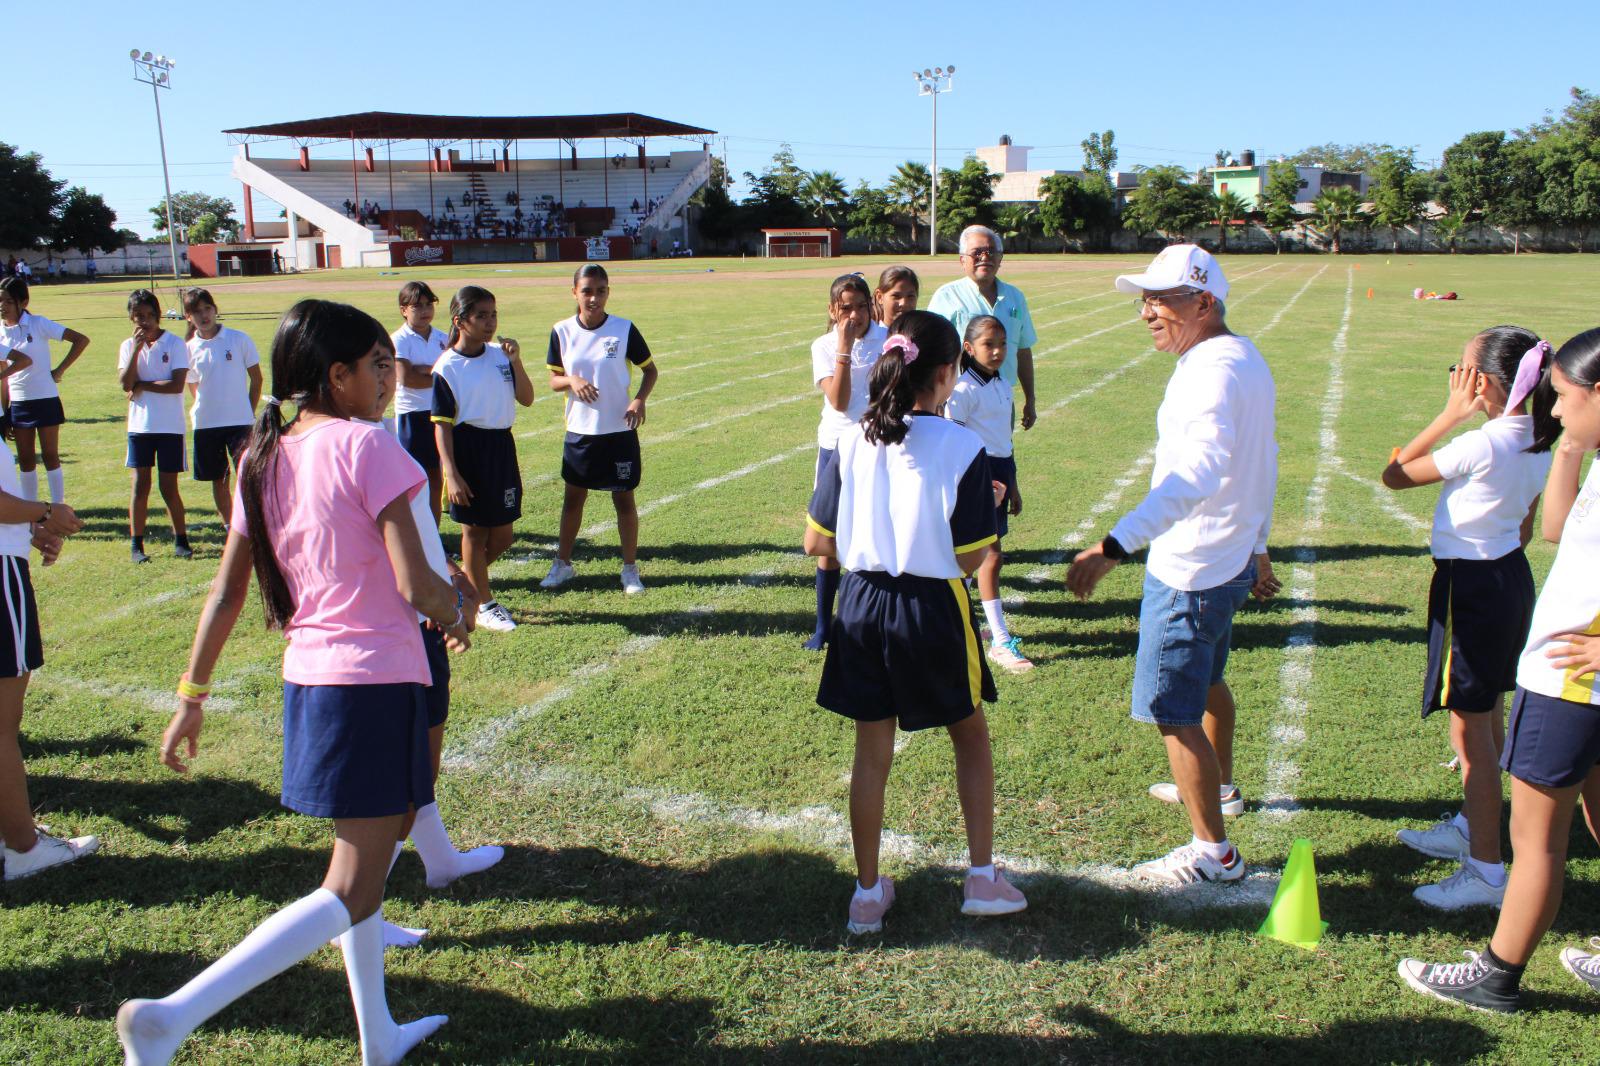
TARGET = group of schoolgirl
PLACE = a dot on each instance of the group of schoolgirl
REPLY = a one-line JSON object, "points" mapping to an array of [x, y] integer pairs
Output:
{"points": [[455, 406], [907, 504], [1489, 634]]}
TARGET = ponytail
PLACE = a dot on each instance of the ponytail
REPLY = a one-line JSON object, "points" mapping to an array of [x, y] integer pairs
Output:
{"points": [[461, 304], [1542, 405], [1501, 351], [260, 463], [920, 343]]}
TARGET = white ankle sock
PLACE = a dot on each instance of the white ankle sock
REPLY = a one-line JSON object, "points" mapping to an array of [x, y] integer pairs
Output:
{"points": [[30, 484], [151, 1030], [982, 871], [58, 485], [383, 1042], [444, 863], [1462, 825], [1219, 851], [1227, 790], [998, 633], [873, 894], [1492, 872]]}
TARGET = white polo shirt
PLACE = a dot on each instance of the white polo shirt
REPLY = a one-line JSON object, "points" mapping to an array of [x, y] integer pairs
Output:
{"points": [[1569, 601], [32, 336], [961, 301], [154, 412], [907, 508], [1210, 502], [421, 352], [16, 538], [982, 402], [475, 390], [863, 354], [219, 369], [1490, 481], [601, 356]]}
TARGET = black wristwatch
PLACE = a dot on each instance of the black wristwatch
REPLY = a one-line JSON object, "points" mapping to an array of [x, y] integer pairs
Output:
{"points": [[1112, 550]]}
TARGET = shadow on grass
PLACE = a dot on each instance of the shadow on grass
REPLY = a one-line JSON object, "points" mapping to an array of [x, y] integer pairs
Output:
{"points": [[86, 747], [162, 810]]}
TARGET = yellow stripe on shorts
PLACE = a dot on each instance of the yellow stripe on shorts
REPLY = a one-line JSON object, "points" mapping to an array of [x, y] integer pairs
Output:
{"points": [[1581, 689], [974, 662], [1449, 637]]}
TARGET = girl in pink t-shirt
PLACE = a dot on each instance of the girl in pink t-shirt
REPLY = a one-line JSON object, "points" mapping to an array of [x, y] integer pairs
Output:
{"points": [[323, 516]]}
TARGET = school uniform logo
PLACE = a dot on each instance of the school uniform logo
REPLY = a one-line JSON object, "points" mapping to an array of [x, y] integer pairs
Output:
{"points": [[164, 358], [505, 371], [228, 355], [1581, 507], [511, 498], [625, 470], [610, 345]]}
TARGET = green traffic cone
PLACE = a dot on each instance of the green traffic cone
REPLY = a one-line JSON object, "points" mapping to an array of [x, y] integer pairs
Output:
{"points": [[1296, 916]]}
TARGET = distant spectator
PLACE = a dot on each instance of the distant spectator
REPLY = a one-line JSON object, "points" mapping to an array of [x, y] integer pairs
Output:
{"points": [[91, 268], [635, 205], [52, 268], [466, 198], [449, 208], [277, 262]]}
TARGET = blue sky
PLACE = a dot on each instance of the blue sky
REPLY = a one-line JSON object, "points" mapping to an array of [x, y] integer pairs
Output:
{"points": [[1175, 81]]}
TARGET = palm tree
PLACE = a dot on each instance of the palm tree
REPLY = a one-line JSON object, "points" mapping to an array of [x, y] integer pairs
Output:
{"points": [[1230, 207], [1335, 209], [1449, 227], [1016, 220], [909, 187], [824, 193]]}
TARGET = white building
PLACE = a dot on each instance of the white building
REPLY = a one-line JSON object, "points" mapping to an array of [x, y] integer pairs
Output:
{"points": [[1018, 184]]}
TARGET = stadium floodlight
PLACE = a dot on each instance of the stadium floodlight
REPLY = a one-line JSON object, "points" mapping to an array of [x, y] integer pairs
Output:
{"points": [[932, 83], [153, 70]]}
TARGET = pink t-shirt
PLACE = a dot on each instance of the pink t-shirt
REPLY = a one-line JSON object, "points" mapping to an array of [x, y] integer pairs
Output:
{"points": [[350, 626]]}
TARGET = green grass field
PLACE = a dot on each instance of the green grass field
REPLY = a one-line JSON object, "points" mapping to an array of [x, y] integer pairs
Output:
{"points": [[672, 799]]}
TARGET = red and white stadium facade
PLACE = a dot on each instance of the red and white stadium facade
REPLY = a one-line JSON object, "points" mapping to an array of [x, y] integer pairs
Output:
{"points": [[813, 242]]}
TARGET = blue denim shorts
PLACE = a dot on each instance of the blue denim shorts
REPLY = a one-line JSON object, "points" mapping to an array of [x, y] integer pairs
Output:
{"points": [[1183, 647]]}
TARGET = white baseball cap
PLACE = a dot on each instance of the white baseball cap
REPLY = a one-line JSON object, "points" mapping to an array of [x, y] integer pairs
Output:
{"points": [[1178, 265]]}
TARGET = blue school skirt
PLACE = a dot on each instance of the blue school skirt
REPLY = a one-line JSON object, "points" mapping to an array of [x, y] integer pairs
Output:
{"points": [[355, 751]]}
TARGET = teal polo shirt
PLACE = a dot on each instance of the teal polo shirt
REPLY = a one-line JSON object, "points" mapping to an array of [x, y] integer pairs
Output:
{"points": [[961, 302]]}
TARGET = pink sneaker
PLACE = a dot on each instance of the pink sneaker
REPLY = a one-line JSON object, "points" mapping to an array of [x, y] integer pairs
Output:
{"points": [[986, 897], [866, 915]]}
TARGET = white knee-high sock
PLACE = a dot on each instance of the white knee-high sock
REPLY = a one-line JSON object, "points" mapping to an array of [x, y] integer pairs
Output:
{"points": [[151, 1030], [30, 484], [58, 485], [444, 863], [400, 936], [383, 1042]]}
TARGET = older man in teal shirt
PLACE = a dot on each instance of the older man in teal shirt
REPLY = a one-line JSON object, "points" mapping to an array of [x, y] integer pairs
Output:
{"points": [[982, 292]]}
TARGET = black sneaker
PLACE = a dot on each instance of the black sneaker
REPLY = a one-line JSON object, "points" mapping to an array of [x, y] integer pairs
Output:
{"points": [[139, 556], [1584, 965], [1473, 984], [181, 550]]}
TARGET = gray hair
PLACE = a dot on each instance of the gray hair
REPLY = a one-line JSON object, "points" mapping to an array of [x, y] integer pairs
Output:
{"points": [[980, 231]]}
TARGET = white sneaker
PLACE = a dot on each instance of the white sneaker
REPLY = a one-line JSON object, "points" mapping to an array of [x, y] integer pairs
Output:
{"points": [[1008, 656], [560, 573], [48, 851], [1185, 865], [630, 580], [494, 617], [1464, 888], [1232, 799], [1442, 840]]}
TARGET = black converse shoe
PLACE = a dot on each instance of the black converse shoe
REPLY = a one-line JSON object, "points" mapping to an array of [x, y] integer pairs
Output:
{"points": [[1473, 984], [1584, 965]]}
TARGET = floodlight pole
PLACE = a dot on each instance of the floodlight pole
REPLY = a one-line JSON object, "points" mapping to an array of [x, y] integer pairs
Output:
{"points": [[932, 83], [156, 71]]}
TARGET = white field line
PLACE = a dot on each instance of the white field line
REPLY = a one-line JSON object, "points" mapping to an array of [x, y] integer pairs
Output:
{"points": [[1292, 301], [161, 700], [1075, 538], [137, 607], [1295, 675], [1384, 499], [702, 486], [561, 425]]}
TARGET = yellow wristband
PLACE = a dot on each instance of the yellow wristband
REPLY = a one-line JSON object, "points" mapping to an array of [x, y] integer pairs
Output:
{"points": [[191, 691]]}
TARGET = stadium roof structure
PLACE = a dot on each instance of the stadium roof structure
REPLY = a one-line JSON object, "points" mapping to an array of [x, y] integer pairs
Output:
{"points": [[394, 126]]}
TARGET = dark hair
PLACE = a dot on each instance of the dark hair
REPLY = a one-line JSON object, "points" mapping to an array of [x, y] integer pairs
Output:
{"points": [[590, 270], [977, 325], [1579, 360], [892, 276], [16, 288], [193, 298], [894, 384], [413, 293], [848, 283], [1500, 350], [462, 304], [313, 336], [144, 298]]}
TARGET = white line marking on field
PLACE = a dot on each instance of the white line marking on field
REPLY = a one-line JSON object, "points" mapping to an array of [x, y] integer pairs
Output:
{"points": [[1292, 301], [561, 426], [155, 699], [1294, 676], [1075, 538], [1384, 499], [701, 486]]}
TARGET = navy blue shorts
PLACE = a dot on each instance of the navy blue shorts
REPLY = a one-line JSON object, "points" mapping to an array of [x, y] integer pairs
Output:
{"points": [[21, 648], [1479, 612], [37, 414], [1184, 638], [217, 448], [904, 647], [1003, 469], [822, 457], [1551, 742], [164, 451], [355, 751], [438, 691], [415, 430], [487, 462], [604, 462]]}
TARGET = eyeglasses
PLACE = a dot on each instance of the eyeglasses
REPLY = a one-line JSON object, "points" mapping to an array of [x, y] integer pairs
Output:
{"points": [[1159, 299], [982, 253]]}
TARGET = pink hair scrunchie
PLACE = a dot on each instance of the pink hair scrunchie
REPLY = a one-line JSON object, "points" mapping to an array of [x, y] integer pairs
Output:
{"points": [[907, 346]]}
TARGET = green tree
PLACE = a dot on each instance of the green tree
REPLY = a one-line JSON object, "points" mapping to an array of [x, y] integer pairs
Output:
{"points": [[1472, 175], [1016, 222], [1167, 203], [1230, 207], [1398, 191], [872, 214], [1337, 209], [30, 202], [187, 207], [1277, 200], [824, 195], [86, 223], [1448, 228], [909, 187], [774, 198], [966, 197], [1569, 162], [1100, 155], [1075, 206], [1346, 157], [1517, 206]]}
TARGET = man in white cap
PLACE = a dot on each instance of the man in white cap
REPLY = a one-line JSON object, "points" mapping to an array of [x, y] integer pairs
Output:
{"points": [[1205, 520]]}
